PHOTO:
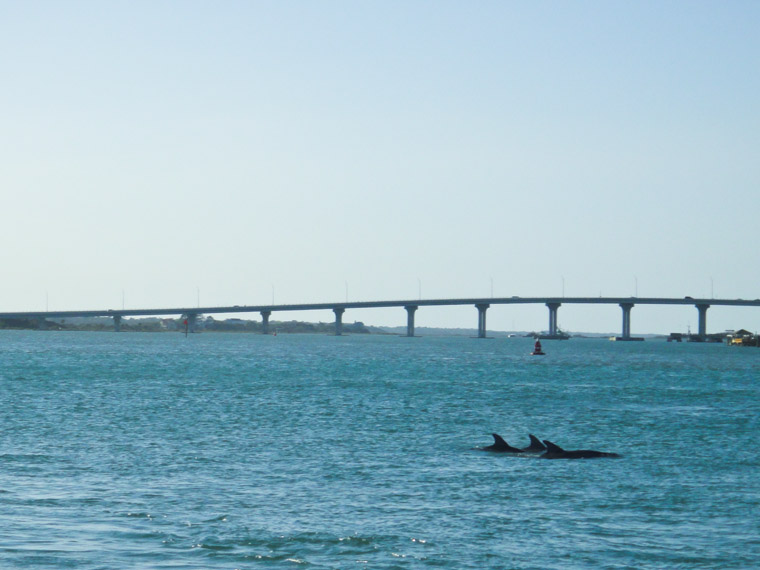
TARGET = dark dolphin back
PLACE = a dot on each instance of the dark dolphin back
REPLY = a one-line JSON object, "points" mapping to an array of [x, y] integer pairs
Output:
{"points": [[554, 451]]}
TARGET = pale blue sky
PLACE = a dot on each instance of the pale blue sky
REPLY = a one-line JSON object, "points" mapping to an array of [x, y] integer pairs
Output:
{"points": [[155, 152]]}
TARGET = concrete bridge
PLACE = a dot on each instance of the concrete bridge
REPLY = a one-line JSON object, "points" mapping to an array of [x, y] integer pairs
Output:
{"points": [[553, 304]]}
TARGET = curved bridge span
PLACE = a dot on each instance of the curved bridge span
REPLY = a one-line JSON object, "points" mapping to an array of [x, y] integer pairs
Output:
{"points": [[482, 304]]}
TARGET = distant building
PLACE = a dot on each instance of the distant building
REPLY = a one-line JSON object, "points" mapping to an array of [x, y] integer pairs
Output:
{"points": [[742, 337], [169, 324]]}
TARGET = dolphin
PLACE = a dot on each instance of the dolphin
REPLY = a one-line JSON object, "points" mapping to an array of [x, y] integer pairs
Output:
{"points": [[535, 445], [554, 451], [499, 445]]}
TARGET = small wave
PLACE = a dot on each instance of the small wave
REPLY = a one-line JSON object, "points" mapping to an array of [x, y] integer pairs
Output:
{"points": [[139, 515], [214, 543], [220, 518], [27, 458]]}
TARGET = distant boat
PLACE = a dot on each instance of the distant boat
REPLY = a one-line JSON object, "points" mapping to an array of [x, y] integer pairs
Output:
{"points": [[537, 351]]}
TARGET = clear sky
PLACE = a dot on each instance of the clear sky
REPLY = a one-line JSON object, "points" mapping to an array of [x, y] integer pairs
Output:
{"points": [[168, 153]]}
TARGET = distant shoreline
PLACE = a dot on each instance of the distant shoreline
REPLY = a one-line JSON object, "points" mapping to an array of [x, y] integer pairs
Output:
{"points": [[210, 325]]}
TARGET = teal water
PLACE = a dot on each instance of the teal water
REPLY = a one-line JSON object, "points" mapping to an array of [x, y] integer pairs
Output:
{"points": [[156, 451]]}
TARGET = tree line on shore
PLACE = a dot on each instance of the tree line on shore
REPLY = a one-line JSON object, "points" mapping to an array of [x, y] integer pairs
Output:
{"points": [[177, 325]]}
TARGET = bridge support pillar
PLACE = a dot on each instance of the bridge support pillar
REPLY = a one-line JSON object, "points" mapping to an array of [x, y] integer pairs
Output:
{"points": [[117, 323], [192, 320], [42, 323], [626, 333], [482, 308], [702, 321], [339, 320], [265, 321], [553, 317], [410, 310]]}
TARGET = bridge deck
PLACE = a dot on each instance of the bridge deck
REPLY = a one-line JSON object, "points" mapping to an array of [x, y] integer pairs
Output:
{"points": [[377, 304]]}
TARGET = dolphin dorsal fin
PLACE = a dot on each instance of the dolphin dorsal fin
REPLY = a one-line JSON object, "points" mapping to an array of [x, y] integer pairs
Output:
{"points": [[501, 445], [498, 440], [535, 443], [553, 447]]}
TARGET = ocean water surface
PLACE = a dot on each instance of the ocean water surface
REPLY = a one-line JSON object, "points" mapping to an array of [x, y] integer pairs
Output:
{"points": [[156, 451]]}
